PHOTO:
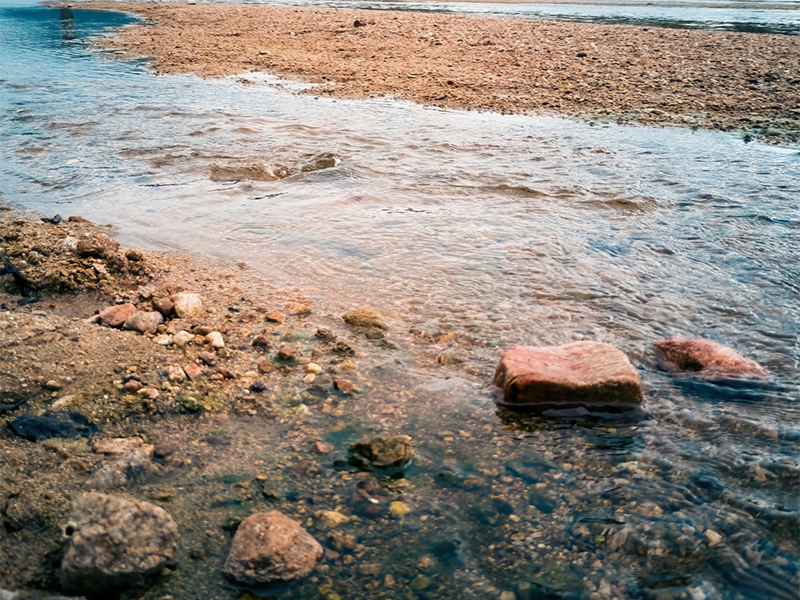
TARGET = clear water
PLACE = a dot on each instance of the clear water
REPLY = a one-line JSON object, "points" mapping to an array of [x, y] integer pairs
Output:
{"points": [[503, 229]]}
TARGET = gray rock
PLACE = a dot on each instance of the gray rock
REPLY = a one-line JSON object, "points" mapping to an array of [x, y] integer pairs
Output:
{"points": [[271, 548], [144, 322], [384, 453], [113, 542], [131, 467]]}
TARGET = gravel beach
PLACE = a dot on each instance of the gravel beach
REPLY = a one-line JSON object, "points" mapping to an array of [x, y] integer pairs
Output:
{"points": [[714, 80]]}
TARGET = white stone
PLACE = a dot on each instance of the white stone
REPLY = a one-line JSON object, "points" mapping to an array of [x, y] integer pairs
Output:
{"points": [[182, 338], [215, 339], [188, 306]]}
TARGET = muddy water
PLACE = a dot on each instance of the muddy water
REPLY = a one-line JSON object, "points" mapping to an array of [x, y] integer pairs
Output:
{"points": [[471, 232]]}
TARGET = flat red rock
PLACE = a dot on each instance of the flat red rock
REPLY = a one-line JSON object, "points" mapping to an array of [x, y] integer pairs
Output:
{"points": [[580, 373], [708, 359]]}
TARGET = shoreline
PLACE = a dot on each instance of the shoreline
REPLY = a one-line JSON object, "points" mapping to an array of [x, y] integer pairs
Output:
{"points": [[618, 73]]}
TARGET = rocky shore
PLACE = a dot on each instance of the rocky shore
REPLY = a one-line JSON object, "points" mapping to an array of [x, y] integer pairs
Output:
{"points": [[177, 429], [650, 75]]}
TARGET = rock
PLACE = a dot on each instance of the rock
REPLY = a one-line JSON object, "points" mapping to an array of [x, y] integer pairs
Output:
{"points": [[345, 386], [77, 219], [115, 316], [182, 338], [116, 446], [188, 306], [270, 548], [113, 542], [287, 352], [53, 385], [149, 392], [209, 358], [299, 309], [129, 468], [43, 427], [132, 386], [144, 322], [384, 453], [276, 316], [261, 341], [579, 373], [176, 374], [313, 368], [192, 370], [163, 305], [364, 318], [325, 335], [706, 358], [399, 509], [713, 537], [165, 449], [70, 244], [332, 518], [135, 255], [95, 245], [215, 340], [323, 448]]}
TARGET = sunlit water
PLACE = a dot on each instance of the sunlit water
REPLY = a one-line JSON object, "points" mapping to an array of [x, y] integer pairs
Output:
{"points": [[500, 229]]}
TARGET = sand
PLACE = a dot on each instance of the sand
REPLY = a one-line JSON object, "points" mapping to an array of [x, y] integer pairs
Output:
{"points": [[708, 79]]}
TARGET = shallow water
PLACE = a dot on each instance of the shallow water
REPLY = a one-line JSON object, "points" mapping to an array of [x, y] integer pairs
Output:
{"points": [[477, 232]]}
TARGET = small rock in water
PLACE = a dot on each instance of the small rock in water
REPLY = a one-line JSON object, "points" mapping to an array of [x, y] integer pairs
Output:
{"points": [[345, 386], [271, 548], [262, 341], [384, 453], [192, 370], [132, 386], [113, 542], [287, 352], [176, 374], [276, 316], [59, 425], [299, 309], [209, 358], [116, 446], [713, 537], [580, 373], [323, 448], [144, 322], [708, 359], [115, 316], [187, 305], [364, 318]]}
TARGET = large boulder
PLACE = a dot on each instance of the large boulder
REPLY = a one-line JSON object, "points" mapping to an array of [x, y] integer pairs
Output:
{"points": [[113, 542], [708, 359], [270, 548], [577, 374]]}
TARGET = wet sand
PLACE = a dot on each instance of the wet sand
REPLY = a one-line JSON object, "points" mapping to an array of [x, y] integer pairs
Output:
{"points": [[714, 80]]}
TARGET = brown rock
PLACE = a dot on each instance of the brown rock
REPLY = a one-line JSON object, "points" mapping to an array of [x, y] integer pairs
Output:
{"points": [[345, 386], [706, 358], [115, 316], [77, 219], [116, 446], [261, 341], [573, 374], [132, 386], [287, 352], [163, 305], [96, 245], [271, 548], [192, 371], [144, 322], [364, 318], [209, 358], [299, 309], [325, 335], [323, 448], [276, 316]]}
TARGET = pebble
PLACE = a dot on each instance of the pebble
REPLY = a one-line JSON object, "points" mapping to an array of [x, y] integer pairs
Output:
{"points": [[215, 340], [276, 316], [313, 368], [713, 537], [309, 378], [399, 509], [149, 392], [176, 374], [332, 518], [182, 338], [323, 448], [144, 322], [132, 386], [209, 358], [192, 370], [287, 352], [53, 385]]}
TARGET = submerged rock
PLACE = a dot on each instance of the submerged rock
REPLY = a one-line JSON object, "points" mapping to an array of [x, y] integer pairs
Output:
{"points": [[43, 427], [384, 453], [580, 373], [364, 318], [706, 358], [114, 542], [271, 548]]}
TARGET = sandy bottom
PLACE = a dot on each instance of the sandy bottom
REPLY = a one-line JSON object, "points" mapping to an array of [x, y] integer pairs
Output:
{"points": [[716, 80]]}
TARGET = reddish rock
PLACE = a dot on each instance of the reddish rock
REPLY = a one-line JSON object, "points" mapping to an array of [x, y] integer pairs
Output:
{"points": [[115, 316], [192, 370], [276, 316], [163, 305], [271, 548], [578, 373], [116, 446], [287, 352], [132, 386], [708, 359], [345, 386]]}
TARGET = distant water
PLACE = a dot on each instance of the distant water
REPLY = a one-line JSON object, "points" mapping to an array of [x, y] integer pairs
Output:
{"points": [[503, 229]]}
